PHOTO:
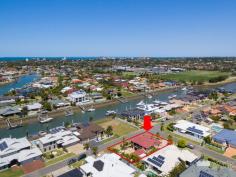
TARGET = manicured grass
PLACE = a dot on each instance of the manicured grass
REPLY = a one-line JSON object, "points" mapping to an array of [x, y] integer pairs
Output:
{"points": [[59, 158], [126, 93], [11, 173], [214, 149], [77, 164], [182, 137], [194, 75], [109, 139]]}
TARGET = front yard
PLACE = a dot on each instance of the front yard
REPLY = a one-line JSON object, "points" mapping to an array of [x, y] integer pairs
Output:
{"points": [[11, 173]]}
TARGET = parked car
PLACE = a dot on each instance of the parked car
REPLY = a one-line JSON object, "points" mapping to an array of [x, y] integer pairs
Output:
{"points": [[81, 156], [190, 146]]}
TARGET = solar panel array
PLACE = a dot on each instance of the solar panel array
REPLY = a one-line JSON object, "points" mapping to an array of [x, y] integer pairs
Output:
{"points": [[193, 129], [158, 161], [3, 146], [56, 130], [204, 174]]}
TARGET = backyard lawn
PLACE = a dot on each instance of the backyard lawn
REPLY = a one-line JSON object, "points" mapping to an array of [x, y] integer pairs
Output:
{"points": [[11, 173], [194, 75]]}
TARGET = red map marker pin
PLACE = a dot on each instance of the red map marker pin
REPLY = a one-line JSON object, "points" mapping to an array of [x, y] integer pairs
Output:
{"points": [[147, 125]]}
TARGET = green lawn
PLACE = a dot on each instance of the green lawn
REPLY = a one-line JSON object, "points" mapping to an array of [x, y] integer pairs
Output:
{"points": [[194, 75], [214, 149], [77, 164], [10, 173], [119, 128], [59, 158]]}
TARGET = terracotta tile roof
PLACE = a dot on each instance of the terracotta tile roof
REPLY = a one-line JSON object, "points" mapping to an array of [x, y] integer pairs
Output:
{"points": [[146, 140]]}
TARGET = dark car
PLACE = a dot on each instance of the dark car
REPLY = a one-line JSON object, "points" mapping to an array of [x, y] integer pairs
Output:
{"points": [[82, 156]]}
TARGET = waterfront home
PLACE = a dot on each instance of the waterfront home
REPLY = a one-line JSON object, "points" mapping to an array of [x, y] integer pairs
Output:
{"points": [[107, 165], [189, 128], [133, 114], [165, 160], [7, 100], [204, 169], [97, 97], [57, 103], [17, 152], [33, 108], [66, 89], [89, 131], [79, 97], [56, 139], [10, 111]]}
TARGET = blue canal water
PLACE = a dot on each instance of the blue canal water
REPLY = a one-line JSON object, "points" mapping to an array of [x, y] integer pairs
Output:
{"points": [[99, 113], [22, 81]]}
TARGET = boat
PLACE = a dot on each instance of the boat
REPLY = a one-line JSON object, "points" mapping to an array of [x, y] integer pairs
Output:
{"points": [[43, 117], [42, 133], [140, 103], [172, 96], [46, 120], [150, 96], [91, 109], [184, 89], [69, 113], [110, 112]]}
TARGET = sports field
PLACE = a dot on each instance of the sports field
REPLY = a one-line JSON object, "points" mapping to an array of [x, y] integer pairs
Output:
{"points": [[194, 76]]}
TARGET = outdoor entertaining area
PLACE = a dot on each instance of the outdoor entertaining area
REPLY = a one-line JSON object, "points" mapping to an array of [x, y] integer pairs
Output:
{"points": [[138, 147]]}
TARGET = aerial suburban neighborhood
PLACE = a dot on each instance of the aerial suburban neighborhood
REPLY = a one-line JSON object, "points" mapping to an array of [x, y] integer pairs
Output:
{"points": [[61, 119]]}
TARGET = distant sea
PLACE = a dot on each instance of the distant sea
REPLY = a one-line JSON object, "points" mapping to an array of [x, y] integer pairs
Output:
{"points": [[41, 58]]}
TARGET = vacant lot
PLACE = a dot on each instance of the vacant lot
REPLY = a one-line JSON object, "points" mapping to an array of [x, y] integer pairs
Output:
{"points": [[119, 128], [193, 76]]}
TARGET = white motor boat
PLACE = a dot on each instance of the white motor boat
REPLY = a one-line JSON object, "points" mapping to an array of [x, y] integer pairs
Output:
{"points": [[110, 112], [46, 120], [91, 109]]}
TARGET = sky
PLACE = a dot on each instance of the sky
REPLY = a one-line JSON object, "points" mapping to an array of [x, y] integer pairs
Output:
{"points": [[154, 28]]}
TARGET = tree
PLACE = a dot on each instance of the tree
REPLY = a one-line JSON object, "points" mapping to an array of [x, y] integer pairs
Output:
{"points": [[47, 106], [162, 126], [109, 130], [170, 138], [95, 150], [181, 143], [207, 139], [178, 169], [24, 111], [86, 146]]}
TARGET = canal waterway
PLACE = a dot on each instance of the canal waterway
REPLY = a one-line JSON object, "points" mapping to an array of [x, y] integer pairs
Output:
{"points": [[19, 83], [99, 113]]}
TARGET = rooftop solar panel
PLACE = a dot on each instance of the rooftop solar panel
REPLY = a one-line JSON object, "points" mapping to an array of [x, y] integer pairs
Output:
{"points": [[161, 157], [204, 174], [3, 146], [193, 129]]}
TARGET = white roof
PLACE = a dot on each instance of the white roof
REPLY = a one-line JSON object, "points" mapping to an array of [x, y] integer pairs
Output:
{"points": [[16, 150], [184, 125], [77, 94], [172, 154], [66, 137], [13, 145], [34, 106], [113, 167]]}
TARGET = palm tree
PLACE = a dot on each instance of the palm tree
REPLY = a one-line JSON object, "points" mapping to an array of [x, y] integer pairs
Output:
{"points": [[95, 150], [109, 130], [86, 146]]}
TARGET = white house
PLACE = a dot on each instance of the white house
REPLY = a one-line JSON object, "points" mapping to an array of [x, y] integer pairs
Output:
{"points": [[192, 129], [106, 166], [17, 151], [57, 138], [164, 160], [79, 97]]}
